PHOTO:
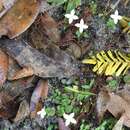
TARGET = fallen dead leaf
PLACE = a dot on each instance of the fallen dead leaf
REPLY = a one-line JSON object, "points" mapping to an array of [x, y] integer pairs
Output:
{"points": [[119, 124], [19, 18], [44, 31], [102, 100], [25, 72], [39, 94], [50, 27], [5, 5], [8, 106], [3, 66], [75, 49], [115, 104], [53, 62], [61, 125], [13, 68], [23, 111]]}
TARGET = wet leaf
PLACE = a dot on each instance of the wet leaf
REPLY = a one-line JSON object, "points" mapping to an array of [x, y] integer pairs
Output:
{"points": [[23, 111], [39, 93], [19, 18], [61, 125], [3, 66]]}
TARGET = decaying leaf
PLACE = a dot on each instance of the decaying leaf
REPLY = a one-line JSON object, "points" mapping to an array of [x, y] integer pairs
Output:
{"points": [[76, 50], [23, 111], [116, 105], [50, 27], [55, 63], [25, 72], [8, 106], [103, 99], [3, 66], [44, 31], [61, 125], [39, 93], [119, 124], [19, 17], [109, 63], [13, 68]]}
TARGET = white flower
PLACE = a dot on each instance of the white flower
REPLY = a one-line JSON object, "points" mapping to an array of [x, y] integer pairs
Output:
{"points": [[116, 17], [81, 26], [71, 16], [42, 113], [69, 119]]}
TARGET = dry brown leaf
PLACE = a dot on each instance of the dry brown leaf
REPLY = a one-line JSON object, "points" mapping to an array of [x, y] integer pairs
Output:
{"points": [[8, 106], [13, 68], [53, 62], [5, 5], [76, 50], [19, 18], [23, 111], [119, 124], [115, 104], [50, 27], [3, 66], [39, 94], [102, 101], [25, 72], [61, 125]]}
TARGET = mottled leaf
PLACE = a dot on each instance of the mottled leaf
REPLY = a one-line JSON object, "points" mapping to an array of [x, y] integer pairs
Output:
{"points": [[53, 63]]}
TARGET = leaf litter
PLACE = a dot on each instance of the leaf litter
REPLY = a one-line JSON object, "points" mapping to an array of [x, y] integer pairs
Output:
{"points": [[37, 50]]}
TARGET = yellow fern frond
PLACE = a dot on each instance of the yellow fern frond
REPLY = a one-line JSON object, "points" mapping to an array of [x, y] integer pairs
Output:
{"points": [[109, 63], [125, 23]]}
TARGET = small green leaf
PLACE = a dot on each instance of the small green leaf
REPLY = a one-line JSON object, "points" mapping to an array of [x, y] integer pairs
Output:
{"points": [[68, 109], [110, 24], [127, 79], [50, 111], [112, 83]]}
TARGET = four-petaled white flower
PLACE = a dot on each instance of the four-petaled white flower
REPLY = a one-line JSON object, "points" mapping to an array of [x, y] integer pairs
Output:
{"points": [[69, 119], [42, 113], [71, 16], [116, 17], [81, 26]]}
